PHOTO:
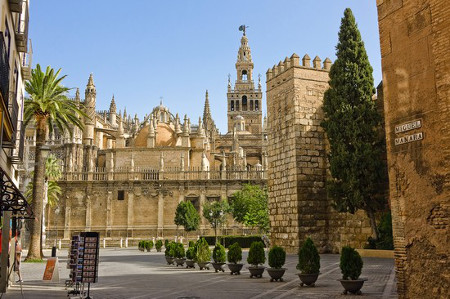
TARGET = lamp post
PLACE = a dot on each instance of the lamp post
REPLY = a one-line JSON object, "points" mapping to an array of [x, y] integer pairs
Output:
{"points": [[56, 230], [45, 151]]}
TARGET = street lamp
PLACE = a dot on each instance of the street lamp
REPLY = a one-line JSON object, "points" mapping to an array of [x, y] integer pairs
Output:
{"points": [[44, 152]]}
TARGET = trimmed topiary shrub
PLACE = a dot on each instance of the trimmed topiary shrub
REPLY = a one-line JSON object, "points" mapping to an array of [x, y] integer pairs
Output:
{"points": [[190, 253], [219, 254], [158, 245], [202, 251], [277, 257], [170, 249], [179, 250], [166, 243], [308, 258], [234, 253], [141, 245], [351, 263], [256, 254], [149, 245], [226, 241], [191, 243]]}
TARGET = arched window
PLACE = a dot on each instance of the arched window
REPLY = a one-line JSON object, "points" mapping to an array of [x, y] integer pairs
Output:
{"points": [[244, 103], [232, 106], [251, 105], [244, 75], [256, 105], [237, 105]]}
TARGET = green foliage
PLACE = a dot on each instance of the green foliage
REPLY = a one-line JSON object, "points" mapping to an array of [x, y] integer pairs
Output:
{"points": [[216, 212], [256, 254], [34, 261], [179, 251], [352, 125], [219, 254], [351, 263], [202, 251], [158, 245], [243, 241], [234, 253], [170, 249], [191, 243], [385, 240], [250, 207], [187, 216], [190, 253], [166, 243], [308, 258], [141, 244], [149, 245], [277, 257]]}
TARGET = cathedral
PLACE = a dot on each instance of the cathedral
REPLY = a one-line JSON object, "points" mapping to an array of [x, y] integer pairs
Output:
{"points": [[124, 176]]}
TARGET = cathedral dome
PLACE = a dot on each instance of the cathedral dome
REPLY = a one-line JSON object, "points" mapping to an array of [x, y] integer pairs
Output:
{"points": [[165, 136]]}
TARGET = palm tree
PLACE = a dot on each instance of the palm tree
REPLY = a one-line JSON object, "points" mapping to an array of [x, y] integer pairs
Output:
{"points": [[48, 107]]}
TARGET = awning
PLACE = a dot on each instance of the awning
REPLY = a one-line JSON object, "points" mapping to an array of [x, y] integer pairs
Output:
{"points": [[12, 199]]}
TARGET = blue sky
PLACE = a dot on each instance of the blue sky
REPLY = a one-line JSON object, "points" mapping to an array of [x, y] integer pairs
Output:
{"points": [[176, 49]]}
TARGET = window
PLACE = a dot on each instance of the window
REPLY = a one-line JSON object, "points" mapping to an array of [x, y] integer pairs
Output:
{"points": [[237, 105], [121, 195], [232, 106], [244, 103], [256, 105], [244, 75], [251, 105]]}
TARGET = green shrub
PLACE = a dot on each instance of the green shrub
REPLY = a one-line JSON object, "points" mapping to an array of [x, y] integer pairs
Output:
{"points": [[234, 253], [190, 253], [277, 257], [191, 243], [170, 249], [179, 250], [219, 254], [141, 245], [256, 254], [158, 245], [166, 243], [308, 258], [149, 245], [202, 251], [243, 241], [351, 263], [385, 239]]}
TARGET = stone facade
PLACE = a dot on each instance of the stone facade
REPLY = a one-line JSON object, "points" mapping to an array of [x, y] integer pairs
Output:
{"points": [[124, 176], [297, 170], [414, 37]]}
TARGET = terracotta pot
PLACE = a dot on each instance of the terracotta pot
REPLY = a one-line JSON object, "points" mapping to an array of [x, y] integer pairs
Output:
{"points": [[308, 279], [180, 262], [235, 268], [352, 286], [276, 274], [256, 271], [190, 264], [203, 265], [218, 267], [169, 260]]}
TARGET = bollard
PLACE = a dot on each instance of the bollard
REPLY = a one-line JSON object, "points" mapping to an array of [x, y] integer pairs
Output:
{"points": [[59, 244], [126, 242], [104, 243], [54, 251], [121, 240]]}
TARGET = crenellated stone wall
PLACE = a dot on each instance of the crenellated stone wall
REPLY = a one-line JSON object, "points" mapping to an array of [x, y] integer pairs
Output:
{"points": [[297, 171]]}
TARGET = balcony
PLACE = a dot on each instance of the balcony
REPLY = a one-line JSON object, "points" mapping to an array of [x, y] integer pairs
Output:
{"points": [[17, 151], [22, 29], [6, 123], [26, 63], [15, 5]]}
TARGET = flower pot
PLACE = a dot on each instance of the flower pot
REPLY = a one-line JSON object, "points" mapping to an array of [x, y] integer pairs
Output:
{"points": [[158, 249], [308, 279], [235, 268], [169, 260], [190, 264], [256, 271], [179, 261], [352, 286], [218, 267], [203, 265], [276, 274], [148, 249]]}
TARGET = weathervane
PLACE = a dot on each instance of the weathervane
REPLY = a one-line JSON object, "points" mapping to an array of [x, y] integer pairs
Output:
{"points": [[242, 28]]}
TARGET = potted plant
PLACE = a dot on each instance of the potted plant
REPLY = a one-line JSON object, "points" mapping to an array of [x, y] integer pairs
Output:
{"points": [[190, 257], [202, 254], [179, 254], [166, 243], [158, 245], [351, 265], [191, 243], [169, 253], [149, 245], [308, 263], [234, 256], [219, 257], [277, 258], [256, 257], [141, 245]]}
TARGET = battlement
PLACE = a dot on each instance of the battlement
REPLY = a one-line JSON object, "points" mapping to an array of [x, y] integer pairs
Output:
{"points": [[294, 61]]}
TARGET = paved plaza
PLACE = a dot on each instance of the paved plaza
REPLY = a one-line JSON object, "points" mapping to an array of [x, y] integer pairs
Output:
{"points": [[129, 273]]}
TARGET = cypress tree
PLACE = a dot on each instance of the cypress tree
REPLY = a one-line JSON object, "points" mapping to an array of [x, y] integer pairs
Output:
{"points": [[352, 125]]}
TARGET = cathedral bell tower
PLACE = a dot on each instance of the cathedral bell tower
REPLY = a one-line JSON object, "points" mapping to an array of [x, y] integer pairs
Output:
{"points": [[244, 99], [89, 104]]}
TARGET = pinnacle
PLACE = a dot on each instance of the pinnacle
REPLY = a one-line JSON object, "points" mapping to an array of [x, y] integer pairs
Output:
{"points": [[91, 80]]}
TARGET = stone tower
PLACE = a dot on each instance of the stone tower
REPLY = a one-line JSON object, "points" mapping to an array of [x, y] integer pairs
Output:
{"points": [[89, 103], [244, 99]]}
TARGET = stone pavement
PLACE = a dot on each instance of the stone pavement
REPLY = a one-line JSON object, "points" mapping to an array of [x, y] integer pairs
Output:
{"points": [[129, 273]]}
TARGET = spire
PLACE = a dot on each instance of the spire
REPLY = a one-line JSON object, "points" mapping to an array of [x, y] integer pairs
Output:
{"points": [[112, 106], [125, 113], [206, 109], [77, 95], [90, 81]]}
